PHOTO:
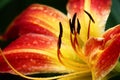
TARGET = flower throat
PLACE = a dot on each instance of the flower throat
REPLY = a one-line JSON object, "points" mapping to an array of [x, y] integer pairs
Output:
{"points": [[75, 27]]}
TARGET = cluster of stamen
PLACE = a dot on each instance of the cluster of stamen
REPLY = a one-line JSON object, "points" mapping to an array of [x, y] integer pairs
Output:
{"points": [[75, 39]]}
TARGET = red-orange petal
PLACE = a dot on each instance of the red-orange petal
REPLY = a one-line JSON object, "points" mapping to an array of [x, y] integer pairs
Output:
{"points": [[32, 53], [36, 18], [101, 6], [107, 58], [93, 45], [94, 7], [75, 6], [110, 33], [34, 41], [99, 10]]}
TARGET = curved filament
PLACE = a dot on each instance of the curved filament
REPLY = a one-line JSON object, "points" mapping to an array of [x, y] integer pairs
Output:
{"points": [[39, 78], [77, 66], [76, 46], [91, 19]]}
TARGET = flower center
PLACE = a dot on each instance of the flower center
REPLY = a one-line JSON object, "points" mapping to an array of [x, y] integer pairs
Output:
{"points": [[76, 41]]}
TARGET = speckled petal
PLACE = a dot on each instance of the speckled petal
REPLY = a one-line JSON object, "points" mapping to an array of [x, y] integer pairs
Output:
{"points": [[32, 53], [36, 18], [99, 10], [92, 46], [108, 57], [103, 54]]}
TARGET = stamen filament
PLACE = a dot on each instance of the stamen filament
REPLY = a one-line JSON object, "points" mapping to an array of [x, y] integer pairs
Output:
{"points": [[74, 37], [77, 48], [77, 66], [62, 59], [91, 19], [88, 34]]}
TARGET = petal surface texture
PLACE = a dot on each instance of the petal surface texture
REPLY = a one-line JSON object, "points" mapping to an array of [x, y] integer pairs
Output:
{"points": [[36, 18], [99, 11], [32, 53], [102, 56]]}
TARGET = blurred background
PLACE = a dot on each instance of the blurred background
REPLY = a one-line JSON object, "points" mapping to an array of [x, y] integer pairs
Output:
{"points": [[9, 9]]}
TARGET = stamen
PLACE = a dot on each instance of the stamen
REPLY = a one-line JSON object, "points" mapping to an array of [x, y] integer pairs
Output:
{"points": [[61, 29], [72, 23], [91, 19], [71, 27], [59, 42], [78, 26], [60, 35], [74, 36], [73, 20], [88, 34]]}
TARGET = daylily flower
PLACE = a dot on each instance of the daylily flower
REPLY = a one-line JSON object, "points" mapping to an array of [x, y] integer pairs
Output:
{"points": [[47, 41]]}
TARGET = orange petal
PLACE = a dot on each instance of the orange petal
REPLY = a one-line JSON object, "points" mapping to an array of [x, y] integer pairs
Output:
{"points": [[93, 45], [99, 10], [32, 53], [102, 55], [36, 18], [33, 40], [107, 58], [75, 6]]}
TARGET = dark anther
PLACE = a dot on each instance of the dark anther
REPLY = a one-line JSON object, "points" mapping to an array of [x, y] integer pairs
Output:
{"points": [[72, 23], [61, 29], [73, 19], [59, 42], [89, 16], [60, 35], [71, 27], [78, 26]]}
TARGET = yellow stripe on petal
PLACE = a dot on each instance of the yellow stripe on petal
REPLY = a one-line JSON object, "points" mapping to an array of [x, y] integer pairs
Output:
{"points": [[32, 53], [97, 9], [107, 58], [37, 18]]}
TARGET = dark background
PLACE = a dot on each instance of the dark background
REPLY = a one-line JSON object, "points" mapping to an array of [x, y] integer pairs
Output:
{"points": [[9, 9]]}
